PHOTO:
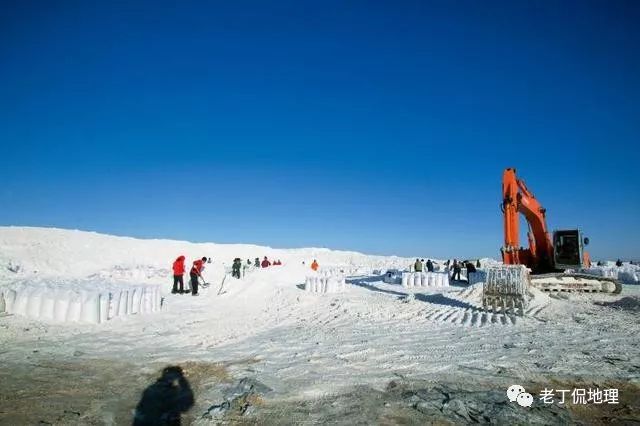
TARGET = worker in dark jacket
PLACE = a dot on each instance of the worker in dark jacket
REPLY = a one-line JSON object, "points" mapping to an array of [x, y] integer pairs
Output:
{"points": [[257, 263], [429, 265], [456, 270], [235, 269], [471, 269]]}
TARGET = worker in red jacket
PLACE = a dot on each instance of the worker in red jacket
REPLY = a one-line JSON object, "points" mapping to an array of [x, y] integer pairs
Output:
{"points": [[178, 272], [266, 263], [196, 271]]}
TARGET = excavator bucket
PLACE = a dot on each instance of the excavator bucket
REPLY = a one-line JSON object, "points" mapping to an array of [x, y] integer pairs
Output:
{"points": [[505, 289]]}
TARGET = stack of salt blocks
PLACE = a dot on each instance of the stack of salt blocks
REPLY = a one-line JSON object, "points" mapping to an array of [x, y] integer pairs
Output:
{"points": [[325, 282], [425, 279], [60, 305]]}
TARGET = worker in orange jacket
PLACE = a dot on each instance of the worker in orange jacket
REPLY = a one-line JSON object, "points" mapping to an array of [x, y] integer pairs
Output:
{"points": [[315, 265]]}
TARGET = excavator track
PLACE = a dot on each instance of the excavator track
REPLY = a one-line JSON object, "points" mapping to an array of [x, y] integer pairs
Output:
{"points": [[575, 282]]}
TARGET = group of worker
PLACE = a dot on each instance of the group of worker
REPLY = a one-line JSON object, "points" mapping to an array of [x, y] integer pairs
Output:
{"points": [[456, 267], [195, 273], [265, 263], [198, 266], [419, 265]]}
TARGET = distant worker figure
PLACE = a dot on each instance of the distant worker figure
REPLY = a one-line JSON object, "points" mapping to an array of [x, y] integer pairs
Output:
{"points": [[235, 268], [429, 265], [471, 269], [417, 267], [178, 272], [266, 263], [257, 263], [196, 271], [478, 264], [618, 263], [315, 265], [456, 270]]}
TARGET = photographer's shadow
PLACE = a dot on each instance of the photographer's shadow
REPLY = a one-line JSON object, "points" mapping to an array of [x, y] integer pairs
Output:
{"points": [[164, 401]]}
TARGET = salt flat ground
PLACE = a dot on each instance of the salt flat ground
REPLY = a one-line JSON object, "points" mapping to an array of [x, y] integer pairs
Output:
{"points": [[330, 358]]}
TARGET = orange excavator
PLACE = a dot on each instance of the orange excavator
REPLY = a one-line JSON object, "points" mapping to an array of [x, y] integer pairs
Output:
{"points": [[554, 259]]}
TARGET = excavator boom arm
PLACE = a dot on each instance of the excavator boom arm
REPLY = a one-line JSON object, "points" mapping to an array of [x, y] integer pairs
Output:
{"points": [[518, 199]]}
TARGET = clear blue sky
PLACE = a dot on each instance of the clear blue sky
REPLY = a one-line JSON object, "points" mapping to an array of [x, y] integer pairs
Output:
{"points": [[381, 127]]}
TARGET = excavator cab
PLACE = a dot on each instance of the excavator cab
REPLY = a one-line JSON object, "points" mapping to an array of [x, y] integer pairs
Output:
{"points": [[568, 249]]}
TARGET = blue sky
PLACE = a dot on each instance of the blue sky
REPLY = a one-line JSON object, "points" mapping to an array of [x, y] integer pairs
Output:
{"points": [[381, 127]]}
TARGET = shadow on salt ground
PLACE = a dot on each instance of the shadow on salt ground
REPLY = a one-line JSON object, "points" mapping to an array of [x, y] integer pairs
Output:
{"points": [[164, 401], [459, 283], [436, 299], [369, 279], [364, 283], [441, 299]]}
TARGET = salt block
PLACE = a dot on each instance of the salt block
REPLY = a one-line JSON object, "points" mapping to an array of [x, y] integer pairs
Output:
{"points": [[144, 296], [75, 308], [34, 302], [131, 301], [444, 280], [416, 280], [137, 300], [22, 300], [90, 308], [61, 306], [2, 302], [405, 279], [48, 305], [123, 307], [9, 300], [149, 291], [431, 280], [114, 306], [104, 302]]}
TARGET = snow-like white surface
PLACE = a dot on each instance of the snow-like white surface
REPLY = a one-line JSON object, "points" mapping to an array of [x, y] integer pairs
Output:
{"points": [[627, 273], [79, 254], [301, 344]]}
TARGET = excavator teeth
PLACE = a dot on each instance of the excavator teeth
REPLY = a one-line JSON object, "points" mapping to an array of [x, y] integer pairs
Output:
{"points": [[505, 289]]}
